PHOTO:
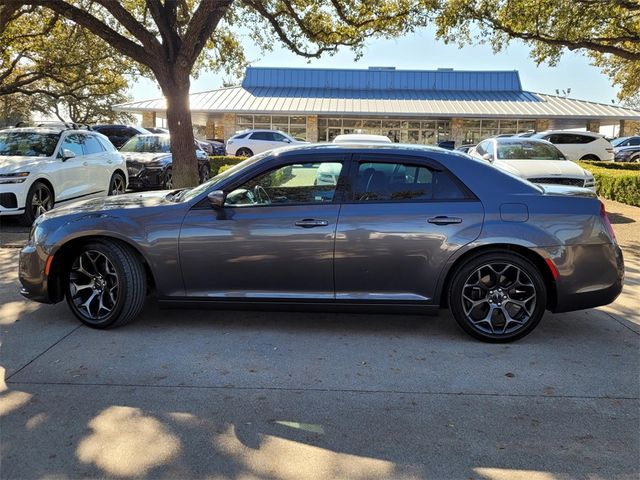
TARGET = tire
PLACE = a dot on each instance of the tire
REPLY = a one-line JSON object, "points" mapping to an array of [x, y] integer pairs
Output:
{"points": [[244, 152], [593, 158], [635, 158], [204, 174], [487, 280], [39, 199], [112, 291], [117, 185], [167, 181]]}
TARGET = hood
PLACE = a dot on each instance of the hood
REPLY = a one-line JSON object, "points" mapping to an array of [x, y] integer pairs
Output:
{"points": [[146, 157], [12, 164], [104, 204], [542, 168]]}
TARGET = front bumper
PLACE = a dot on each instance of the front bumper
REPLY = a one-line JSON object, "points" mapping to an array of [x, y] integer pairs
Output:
{"points": [[13, 198], [146, 178], [35, 284]]}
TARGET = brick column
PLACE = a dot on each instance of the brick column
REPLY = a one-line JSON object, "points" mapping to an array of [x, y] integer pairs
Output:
{"points": [[229, 122], [542, 124], [210, 128], [149, 119], [312, 128], [457, 131], [629, 127], [593, 126]]}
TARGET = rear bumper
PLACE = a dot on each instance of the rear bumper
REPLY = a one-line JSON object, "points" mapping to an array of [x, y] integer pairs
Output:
{"points": [[588, 276]]}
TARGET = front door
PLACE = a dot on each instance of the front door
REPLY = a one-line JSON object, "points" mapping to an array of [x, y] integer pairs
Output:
{"points": [[71, 176], [401, 224], [273, 239]]}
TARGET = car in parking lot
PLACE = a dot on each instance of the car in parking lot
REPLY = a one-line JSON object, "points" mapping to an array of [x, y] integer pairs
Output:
{"points": [[632, 141], [42, 167], [536, 160], [627, 154], [119, 134], [579, 145], [250, 142], [404, 229], [149, 161]]}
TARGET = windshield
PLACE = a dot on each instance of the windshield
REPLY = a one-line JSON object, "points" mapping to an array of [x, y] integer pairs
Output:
{"points": [[194, 192], [525, 150], [28, 144], [148, 143], [618, 141]]}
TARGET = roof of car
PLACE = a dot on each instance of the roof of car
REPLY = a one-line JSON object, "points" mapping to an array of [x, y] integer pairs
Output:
{"points": [[363, 147], [43, 129], [519, 140], [571, 132], [361, 138]]}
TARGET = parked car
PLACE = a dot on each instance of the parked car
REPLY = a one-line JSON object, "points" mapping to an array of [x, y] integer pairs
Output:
{"points": [[361, 138], [465, 148], [627, 154], [619, 142], [42, 167], [447, 144], [157, 130], [579, 145], [250, 142], [119, 134], [149, 161], [536, 160], [405, 229], [212, 147]]}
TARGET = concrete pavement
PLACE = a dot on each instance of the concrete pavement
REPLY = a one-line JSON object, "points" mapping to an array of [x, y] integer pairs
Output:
{"points": [[243, 395]]}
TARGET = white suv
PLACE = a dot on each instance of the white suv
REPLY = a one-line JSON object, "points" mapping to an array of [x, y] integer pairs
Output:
{"points": [[579, 145], [249, 142], [41, 167]]}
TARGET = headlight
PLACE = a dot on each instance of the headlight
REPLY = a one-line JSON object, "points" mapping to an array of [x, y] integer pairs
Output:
{"points": [[590, 181], [18, 177]]}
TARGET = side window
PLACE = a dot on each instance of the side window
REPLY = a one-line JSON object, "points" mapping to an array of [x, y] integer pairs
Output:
{"points": [[490, 149], [92, 145], [585, 139], [278, 137], [555, 139], [265, 136], [633, 141], [74, 143], [398, 182], [299, 183], [106, 144], [480, 149]]}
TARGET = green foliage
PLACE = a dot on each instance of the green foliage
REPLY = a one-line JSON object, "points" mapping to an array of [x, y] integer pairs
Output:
{"points": [[218, 162], [615, 182], [607, 31]]}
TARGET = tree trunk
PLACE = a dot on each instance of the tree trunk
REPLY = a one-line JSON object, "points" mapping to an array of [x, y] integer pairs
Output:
{"points": [[185, 165]]}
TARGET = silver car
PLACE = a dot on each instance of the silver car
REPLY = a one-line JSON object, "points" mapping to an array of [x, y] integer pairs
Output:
{"points": [[403, 229]]}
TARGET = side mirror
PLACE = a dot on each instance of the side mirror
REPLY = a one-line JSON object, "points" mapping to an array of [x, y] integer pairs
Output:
{"points": [[67, 154], [217, 198], [488, 157]]}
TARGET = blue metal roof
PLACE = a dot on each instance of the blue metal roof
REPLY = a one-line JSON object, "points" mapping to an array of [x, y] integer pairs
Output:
{"points": [[382, 79]]}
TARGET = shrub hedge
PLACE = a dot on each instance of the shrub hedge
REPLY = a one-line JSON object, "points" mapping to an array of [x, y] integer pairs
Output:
{"points": [[215, 162], [616, 181]]}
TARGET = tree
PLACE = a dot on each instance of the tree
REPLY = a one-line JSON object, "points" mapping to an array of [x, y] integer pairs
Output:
{"points": [[173, 39], [53, 66], [608, 31]]}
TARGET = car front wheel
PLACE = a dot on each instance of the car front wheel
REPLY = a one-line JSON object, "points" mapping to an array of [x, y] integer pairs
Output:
{"points": [[39, 200], [117, 185], [244, 152], [106, 284], [498, 297], [204, 174]]}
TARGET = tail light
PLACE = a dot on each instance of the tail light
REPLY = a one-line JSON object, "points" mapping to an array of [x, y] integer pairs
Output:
{"points": [[607, 223]]}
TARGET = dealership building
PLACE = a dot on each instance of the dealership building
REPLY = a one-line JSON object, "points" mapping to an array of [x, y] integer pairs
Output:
{"points": [[409, 106]]}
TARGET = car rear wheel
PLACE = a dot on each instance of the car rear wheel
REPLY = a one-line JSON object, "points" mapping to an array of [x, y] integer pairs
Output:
{"points": [[117, 185], [635, 158], [106, 284], [39, 200], [244, 152], [167, 183], [204, 174], [593, 158], [498, 296]]}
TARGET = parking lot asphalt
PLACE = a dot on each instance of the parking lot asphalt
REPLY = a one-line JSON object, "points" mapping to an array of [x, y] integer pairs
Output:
{"points": [[244, 395]]}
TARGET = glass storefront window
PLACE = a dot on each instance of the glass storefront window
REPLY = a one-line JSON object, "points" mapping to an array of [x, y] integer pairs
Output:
{"points": [[295, 126]]}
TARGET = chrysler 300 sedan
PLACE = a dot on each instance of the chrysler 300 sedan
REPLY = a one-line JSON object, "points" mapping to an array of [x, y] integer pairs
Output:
{"points": [[402, 228]]}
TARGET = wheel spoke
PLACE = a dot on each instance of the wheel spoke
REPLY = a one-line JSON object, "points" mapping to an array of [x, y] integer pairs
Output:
{"points": [[93, 285]]}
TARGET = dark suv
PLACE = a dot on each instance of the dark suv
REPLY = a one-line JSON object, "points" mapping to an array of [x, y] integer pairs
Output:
{"points": [[119, 134]]}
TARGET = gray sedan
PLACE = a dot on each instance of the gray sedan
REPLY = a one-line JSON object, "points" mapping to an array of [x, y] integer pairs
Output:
{"points": [[402, 228]]}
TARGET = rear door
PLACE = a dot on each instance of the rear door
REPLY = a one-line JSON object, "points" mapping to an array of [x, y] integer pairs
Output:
{"points": [[403, 220]]}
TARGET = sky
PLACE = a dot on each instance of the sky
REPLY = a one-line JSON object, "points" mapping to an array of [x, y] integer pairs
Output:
{"points": [[421, 51]]}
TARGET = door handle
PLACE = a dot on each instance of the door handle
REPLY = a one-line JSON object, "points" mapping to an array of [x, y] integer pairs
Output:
{"points": [[443, 220], [310, 223], [85, 163]]}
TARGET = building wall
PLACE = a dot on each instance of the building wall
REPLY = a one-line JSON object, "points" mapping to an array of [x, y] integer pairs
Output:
{"points": [[149, 119], [229, 125], [312, 128], [629, 127]]}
